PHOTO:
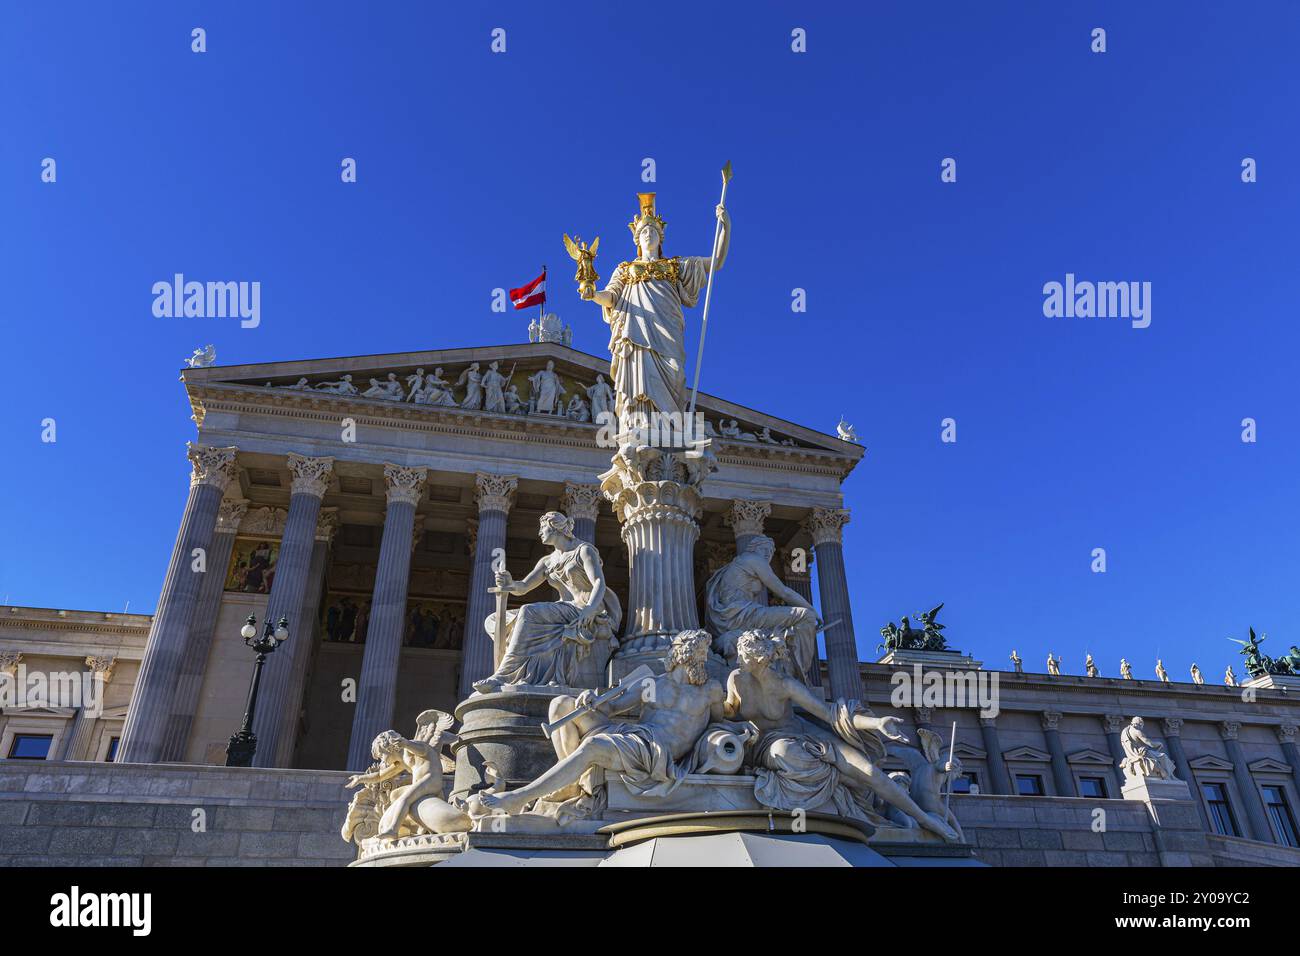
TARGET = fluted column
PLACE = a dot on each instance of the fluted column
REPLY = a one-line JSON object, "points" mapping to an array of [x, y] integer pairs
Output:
{"points": [[326, 527], [213, 469], [1173, 727], [582, 504], [1256, 816], [1113, 725], [826, 525], [194, 661], [1286, 737], [310, 480], [377, 687], [747, 518], [999, 779], [795, 571], [494, 495], [99, 671], [1061, 775]]}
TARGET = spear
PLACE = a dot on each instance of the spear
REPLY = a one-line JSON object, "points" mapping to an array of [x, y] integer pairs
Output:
{"points": [[708, 291], [947, 798]]}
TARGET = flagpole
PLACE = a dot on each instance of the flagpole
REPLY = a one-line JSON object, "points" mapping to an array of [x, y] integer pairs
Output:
{"points": [[708, 292], [541, 306]]}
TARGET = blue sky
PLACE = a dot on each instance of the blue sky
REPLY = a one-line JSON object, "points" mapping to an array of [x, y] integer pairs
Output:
{"points": [[924, 298]]}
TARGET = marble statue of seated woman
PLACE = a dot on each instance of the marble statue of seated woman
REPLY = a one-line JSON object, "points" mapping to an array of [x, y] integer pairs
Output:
{"points": [[548, 642]]}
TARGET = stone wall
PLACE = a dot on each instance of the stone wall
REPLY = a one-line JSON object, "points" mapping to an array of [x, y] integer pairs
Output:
{"points": [[91, 814], [1058, 831]]}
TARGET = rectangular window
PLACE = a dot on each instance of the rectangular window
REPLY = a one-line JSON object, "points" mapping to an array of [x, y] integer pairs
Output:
{"points": [[30, 746], [112, 749], [966, 783], [1093, 787], [1279, 811], [1216, 803], [1029, 785]]}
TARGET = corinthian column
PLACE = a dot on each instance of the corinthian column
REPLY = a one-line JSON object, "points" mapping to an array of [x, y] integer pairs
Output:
{"points": [[377, 688], [194, 662], [1051, 721], [1256, 817], [582, 504], [99, 671], [310, 481], [213, 469], [1174, 741], [747, 519], [826, 525], [494, 494]]}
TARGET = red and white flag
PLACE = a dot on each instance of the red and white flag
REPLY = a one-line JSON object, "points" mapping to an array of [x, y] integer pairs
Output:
{"points": [[534, 293]]}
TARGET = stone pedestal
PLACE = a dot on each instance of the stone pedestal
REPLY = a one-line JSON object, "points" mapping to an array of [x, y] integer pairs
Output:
{"points": [[659, 517], [1153, 788], [931, 660], [1285, 682], [504, 729]]}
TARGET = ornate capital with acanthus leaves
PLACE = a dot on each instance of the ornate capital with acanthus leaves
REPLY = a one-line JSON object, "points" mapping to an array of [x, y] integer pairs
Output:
{"points": [[101, 668], [494, 492], [310, 475], [404, 484], [1230, 729], [230, 514], [1051, 719], [747, 517], [212, 466], [9, 661], [581, 501], [327, 525], [1286, 733], [1113, 723], [1173, 726], [826, 525]]}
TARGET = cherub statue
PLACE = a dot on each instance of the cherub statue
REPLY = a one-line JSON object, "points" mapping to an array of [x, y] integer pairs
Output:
{"points": [[419, 804], [584, 256]]}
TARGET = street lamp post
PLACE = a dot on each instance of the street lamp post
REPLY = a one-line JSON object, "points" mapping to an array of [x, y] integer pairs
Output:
{"points": [[242, 746]]}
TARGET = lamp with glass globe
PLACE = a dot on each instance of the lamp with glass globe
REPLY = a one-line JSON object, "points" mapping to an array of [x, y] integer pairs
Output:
{"points": [[243, 744]]}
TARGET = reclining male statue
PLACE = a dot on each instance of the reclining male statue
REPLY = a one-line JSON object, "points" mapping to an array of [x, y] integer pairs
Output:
{"points": [[652, 754]]}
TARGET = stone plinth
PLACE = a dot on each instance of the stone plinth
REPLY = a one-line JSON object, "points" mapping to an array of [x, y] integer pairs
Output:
{"points": [[1273, 682], [931, 660], [1153, 788], [504, 729], [698, 793]]}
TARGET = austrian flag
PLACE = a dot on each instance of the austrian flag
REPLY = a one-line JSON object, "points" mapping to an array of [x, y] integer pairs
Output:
{"points": [[534, 293]]}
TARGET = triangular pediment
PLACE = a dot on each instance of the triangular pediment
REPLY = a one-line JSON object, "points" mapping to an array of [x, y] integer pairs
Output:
{"points": [[299, 383], [1027, 753], [1269, 765], [969, 752], [1090, 756], [1210, 762]]}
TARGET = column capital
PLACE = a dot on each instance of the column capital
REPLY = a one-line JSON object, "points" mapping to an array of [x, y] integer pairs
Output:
{"points": [[1229, 729], [1286, 733], [580, 501], [212, 466], [1113, 723], [1173, 726], [747, 517], [404, 484], [230, 513], [310, 475], [826, 525], [787, 564], [9, 661], [923, 715], [989, 722], [101, 668], [1051, 719], [494, 492], [327, 525]]}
